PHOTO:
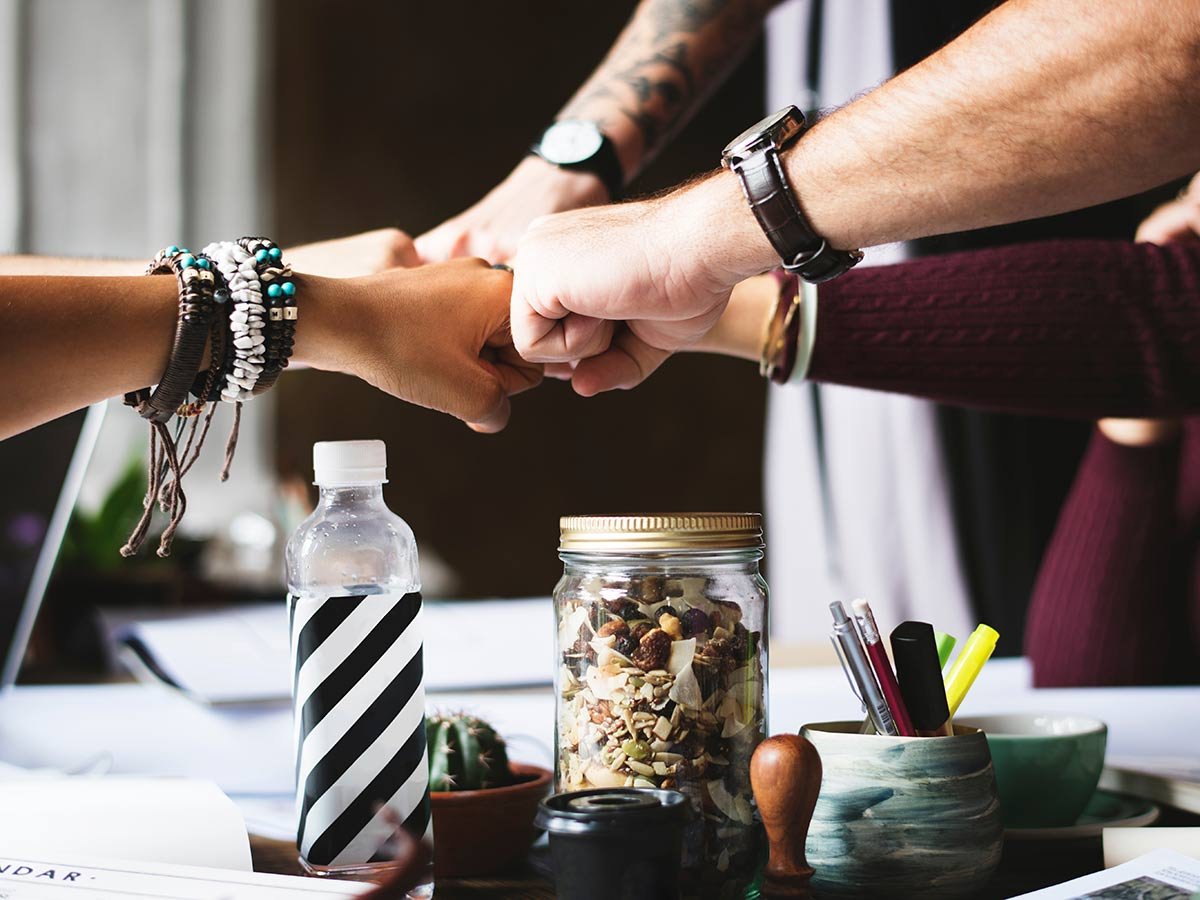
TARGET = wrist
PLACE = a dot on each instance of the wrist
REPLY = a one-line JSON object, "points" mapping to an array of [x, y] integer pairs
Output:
{"points": [[740, 330], [326, 312], [717, 228], [571, 188]]}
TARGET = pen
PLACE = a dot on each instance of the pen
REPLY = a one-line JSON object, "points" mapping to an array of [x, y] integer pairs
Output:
{"points": [[920, 677], [854, 660], [975, 652], [945, 646], [864, 620]]}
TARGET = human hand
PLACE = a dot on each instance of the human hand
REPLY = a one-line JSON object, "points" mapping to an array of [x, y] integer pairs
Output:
{"points": [[1177, 219], [436, 336], [663, 267], [358, 254], [492, 227]]}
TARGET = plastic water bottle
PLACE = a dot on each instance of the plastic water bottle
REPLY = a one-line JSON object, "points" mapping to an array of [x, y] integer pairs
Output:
{"points": [[354, 607]]}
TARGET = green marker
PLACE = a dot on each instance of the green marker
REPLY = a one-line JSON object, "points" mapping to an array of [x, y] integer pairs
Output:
{"points": [[945, 646]]}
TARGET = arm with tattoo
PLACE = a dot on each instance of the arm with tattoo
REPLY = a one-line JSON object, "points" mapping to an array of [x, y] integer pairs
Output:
{"points": [[669, 58]]}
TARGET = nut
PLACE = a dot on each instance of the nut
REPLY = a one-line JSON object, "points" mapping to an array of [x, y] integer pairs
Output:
{"points": [[653, 650], [612, 626], [671, 625]]}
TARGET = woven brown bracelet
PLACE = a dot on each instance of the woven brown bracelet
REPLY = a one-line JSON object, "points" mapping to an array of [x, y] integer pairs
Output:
{"points": [[192, 329], [196, 310]]}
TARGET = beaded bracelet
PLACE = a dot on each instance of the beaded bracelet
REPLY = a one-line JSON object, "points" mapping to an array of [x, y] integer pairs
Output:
{"points": [[282, 311], [246, 320]]}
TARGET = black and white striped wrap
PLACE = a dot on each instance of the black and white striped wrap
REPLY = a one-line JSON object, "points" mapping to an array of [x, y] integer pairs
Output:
{"points": [[359, 704]]}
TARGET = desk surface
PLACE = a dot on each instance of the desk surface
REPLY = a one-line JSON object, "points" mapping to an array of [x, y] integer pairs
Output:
{"points": [[1026, 866]]}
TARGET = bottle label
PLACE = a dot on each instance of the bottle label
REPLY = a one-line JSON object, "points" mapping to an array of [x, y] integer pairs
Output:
{"points": [[359, 703]]}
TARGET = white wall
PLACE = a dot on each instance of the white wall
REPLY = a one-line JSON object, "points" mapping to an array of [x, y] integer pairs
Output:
{"points": [[126, 125]]}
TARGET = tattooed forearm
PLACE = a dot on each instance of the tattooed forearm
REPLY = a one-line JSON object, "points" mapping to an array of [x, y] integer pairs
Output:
{"points": [[668, 59]]}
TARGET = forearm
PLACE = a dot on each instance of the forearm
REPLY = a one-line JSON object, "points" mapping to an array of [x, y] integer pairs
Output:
{"points": [[670, 56], [1044, 106], [58, 265], [68, 341]]}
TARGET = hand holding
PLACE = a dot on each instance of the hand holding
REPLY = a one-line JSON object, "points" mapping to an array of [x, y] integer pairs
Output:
{"points": [[436, 336], [493, 226]]}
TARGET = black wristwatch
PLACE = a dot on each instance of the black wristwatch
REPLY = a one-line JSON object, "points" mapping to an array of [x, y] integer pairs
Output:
{"points": [[754, 157], [580, 146]]}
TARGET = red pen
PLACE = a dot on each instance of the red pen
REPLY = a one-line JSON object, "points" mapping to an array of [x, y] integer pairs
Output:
{"points": [[864, 620]]}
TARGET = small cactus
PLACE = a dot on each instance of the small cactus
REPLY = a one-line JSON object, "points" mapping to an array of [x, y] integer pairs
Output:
{"points": [[465, 754]]}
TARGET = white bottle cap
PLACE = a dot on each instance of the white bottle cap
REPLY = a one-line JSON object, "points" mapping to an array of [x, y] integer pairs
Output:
{"points": [[350, 462]]}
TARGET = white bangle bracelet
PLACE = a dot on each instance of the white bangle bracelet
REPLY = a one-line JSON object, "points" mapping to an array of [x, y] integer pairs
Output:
{"points": [[808, 332]]}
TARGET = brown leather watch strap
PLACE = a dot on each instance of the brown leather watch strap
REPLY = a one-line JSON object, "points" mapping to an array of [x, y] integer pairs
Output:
{"points": [[803, 251]]}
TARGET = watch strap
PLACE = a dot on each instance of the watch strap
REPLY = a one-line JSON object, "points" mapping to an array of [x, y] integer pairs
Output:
{"points": [[802, 250], [604, 164]]}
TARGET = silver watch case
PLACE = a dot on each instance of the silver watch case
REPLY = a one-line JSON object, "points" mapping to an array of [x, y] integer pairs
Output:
{"points": [[776, 131]]}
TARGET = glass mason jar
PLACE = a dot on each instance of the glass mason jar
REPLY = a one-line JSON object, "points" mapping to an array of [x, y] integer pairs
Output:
{"points": [[662, 638]]}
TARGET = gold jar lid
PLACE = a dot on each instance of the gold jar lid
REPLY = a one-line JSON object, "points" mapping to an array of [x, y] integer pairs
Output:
{"points": [[660, 532]]}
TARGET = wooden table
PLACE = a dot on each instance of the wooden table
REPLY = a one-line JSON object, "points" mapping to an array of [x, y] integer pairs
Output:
{"points": [[1026, 866]]}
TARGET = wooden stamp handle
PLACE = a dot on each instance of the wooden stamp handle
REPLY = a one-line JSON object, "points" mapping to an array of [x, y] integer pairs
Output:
{"points": [[785, 773]]}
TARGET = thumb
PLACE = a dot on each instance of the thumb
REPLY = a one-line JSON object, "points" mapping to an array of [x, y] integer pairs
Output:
{"points": [[626, 364]]}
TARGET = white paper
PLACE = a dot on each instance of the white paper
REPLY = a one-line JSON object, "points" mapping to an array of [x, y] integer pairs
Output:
{"points": [[25, 877], [241, 655], [1163, 875], [1122, 845], [166, 820]]}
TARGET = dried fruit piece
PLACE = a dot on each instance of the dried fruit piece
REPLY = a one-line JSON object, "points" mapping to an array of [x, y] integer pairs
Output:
{"points": [[695, 622], [653, 650], [640, 629], [626, 646], [613, 626], [719, 654]]}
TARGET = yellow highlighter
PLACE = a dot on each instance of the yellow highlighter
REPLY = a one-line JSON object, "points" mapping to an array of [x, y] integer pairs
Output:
{"points": [[975, 652]]}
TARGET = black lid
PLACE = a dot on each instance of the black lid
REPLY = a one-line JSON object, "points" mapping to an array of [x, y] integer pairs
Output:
{"points": [[919, 672], [601, 810]]}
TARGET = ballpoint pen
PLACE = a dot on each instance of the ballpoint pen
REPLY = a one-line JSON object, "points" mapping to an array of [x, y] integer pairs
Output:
{"points": [[864, 621], [975, 652], [920, 677], [945, 646], [854, 660]]}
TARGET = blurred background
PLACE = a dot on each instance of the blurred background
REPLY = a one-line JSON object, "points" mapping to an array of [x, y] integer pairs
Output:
{"points": [[131, 124]]}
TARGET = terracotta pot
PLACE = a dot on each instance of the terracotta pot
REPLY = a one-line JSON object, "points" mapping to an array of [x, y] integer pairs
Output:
{"points": [[487, 831]]}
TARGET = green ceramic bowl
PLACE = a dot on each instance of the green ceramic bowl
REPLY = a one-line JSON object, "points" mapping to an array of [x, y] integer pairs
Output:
{"points": [[1047, 766]]}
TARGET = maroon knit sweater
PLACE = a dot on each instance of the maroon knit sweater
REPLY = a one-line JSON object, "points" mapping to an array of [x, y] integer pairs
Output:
{"points": [[1081, 329]]}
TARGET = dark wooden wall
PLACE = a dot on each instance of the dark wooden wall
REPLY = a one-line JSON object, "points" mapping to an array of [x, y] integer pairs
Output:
{"points": [[397, 113]]}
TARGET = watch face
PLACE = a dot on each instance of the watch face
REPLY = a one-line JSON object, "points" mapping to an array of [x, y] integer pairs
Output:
{"points": [[778, 129], [568, 142]]}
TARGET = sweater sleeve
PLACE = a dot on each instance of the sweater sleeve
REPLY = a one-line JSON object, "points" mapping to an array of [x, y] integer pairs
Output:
{"points": [[1084, 329], [1108, 599]]}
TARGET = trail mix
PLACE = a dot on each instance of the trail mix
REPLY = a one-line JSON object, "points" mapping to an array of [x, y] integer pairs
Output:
{"points": [[661, 686]]}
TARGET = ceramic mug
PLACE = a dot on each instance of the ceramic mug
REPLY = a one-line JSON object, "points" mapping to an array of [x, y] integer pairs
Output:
{"points": [[1047, 766], [903, 817]]}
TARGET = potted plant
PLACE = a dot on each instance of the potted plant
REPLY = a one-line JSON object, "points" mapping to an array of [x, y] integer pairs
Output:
{"points": [[483, 805]]}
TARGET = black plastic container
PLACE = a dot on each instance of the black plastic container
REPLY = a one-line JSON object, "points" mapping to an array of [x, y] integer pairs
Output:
{"points": [[609, 843]]}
